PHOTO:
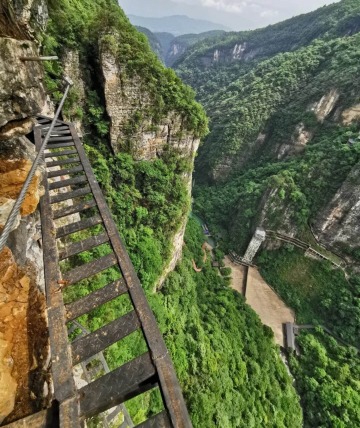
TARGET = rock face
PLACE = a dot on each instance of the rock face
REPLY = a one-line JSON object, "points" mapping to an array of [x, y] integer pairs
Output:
{"points": [[22, 357], [23, 329], [16, 158], [338, 225], [20, 18], [21, 82], [326, 105], [71, 67], [350, 115], [132, 129], [297, 143]]}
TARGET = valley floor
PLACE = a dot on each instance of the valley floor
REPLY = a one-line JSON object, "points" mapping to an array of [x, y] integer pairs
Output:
{"points": [[272, 311]]}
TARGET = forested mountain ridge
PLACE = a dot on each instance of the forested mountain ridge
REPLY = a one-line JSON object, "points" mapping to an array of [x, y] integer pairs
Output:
{"points": [[269, 114], [335, 20], [284, 153]]}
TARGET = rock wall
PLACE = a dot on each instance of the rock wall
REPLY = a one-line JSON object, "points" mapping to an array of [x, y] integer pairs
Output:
{"points": [[19, 19], [338, 225], [127, 101], [24, 362], [132, 129]]}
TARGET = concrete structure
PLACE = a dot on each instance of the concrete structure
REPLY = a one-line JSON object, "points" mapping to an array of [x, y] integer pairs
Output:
{"points": [[255, 243], [290, 336]]}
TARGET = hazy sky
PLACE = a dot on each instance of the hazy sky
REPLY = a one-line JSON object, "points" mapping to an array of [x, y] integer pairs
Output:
{"points": [[236, 14]]}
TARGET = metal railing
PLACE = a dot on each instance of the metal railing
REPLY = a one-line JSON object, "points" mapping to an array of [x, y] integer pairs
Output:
{"points": [[16, 208]]}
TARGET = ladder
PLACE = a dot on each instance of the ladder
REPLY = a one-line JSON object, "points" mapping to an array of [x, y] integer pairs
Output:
{"points": [[76, 181]]}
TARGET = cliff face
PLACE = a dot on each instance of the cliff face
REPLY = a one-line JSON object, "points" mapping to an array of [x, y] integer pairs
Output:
{"points": [[133, 129], [338, 224], [132, 125], [23, 351]]}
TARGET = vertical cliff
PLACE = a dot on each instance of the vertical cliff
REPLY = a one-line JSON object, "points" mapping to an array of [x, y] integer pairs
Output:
{"points": [[23, 335]]}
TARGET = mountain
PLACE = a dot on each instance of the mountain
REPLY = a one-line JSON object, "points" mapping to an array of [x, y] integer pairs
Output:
{"points": [[283, 153], [176, 24], [155, 43], [179, 45], [169, 48]]}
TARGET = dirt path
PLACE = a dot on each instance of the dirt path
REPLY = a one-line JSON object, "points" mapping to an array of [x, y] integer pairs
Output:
{"points": [[267, 304], [237, 274]]}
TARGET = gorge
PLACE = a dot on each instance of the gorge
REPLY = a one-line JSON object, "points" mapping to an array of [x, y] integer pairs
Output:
{"points": [[267, 123]]}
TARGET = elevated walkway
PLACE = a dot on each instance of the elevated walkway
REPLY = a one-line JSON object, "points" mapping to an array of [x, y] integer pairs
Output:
{"points": [[73, 202]]}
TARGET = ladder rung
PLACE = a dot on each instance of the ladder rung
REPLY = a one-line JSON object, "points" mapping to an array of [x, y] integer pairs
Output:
{"points": [[93, 343], [89, 269], [56, 133], [73, 209], [95, 299], [70, 195], [59, 127], [85, 245], [128, 381], [161, 420], [60, 145], [63, 162], [70, 182], [43, 121], [57, 154], [67, 171], [79, 225], [68, 138]]}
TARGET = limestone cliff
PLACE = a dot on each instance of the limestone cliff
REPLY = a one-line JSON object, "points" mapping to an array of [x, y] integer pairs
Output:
{"points": [[132, 124], [134, 129], [24, 360], [338, 224]]}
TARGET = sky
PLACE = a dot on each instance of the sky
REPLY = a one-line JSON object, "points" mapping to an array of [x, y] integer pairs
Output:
{"points": [[235, 14]]}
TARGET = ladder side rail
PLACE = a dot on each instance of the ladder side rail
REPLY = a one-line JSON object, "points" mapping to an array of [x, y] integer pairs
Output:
{"points": [[168, 382]]}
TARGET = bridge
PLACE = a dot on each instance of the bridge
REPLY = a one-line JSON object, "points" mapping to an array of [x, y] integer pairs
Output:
{"points": [[73, 202]]}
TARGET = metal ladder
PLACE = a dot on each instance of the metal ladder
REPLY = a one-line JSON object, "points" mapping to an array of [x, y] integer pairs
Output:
{"points": [[145, 372]]}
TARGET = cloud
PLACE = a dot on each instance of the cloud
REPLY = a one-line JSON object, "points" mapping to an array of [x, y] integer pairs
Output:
{"points": [[269, 13], [229, 6]]}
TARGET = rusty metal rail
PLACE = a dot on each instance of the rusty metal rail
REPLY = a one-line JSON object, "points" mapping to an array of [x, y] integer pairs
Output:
{"points": [[76, 182]]}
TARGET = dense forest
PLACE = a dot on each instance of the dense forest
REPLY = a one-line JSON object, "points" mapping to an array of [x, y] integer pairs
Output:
{"points": [[275, 157]]}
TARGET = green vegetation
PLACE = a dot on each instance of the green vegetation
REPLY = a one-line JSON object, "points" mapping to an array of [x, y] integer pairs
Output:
{"points": [[226, 360], [317, 292], [271, 159], [89, 25], [327, 378]]}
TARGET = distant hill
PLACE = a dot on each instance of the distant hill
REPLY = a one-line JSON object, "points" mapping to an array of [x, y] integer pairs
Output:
{"points": [[179, 45], [176, 24], [155, 43]]}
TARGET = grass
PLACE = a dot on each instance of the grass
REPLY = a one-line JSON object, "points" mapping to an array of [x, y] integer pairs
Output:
{"points": [[308, 286]]}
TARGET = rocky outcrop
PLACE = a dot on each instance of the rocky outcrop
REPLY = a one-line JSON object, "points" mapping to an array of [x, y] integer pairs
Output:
{"points": [[22, 92], [133, 129], [326, 105], [72, 68], [338, 225], [23, 340], [16, 157], [19, 19], [350, 115], [297, 143]]}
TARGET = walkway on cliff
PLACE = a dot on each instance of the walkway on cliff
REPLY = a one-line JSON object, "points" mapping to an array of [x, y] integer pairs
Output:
{"points": [[73, 202]]}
